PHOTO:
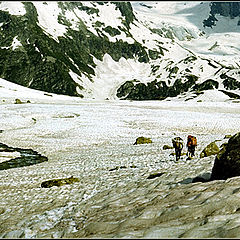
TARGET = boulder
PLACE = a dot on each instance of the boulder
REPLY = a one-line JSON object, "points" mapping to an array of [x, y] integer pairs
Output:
{"points": [[165, 147], [209, 150], [18, 101], [142, 140], [59, 182], [227, 161]]}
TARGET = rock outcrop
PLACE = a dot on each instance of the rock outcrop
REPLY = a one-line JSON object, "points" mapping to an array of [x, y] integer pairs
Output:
{"points": [[209, 150], [227, 162], [18, 101]]}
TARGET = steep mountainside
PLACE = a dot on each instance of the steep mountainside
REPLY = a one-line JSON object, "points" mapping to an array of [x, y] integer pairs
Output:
{"points": [[126, 50]]}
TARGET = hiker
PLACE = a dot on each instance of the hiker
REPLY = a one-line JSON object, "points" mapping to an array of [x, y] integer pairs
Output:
{"points": [[191, 145], [178, 145]]}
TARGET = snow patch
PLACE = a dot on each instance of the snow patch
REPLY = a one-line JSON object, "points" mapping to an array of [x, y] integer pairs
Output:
{"points": [[16, 43], [48, 18], [13, 7]]}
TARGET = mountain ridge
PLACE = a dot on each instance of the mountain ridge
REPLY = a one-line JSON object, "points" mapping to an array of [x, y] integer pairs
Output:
{"points": [[84, 51]]}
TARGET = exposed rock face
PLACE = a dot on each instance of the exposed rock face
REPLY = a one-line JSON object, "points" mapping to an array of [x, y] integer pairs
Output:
{"points": [[227, 162], [226, 9], [142, 140], [209, 150], [156, 90], [206, 85], [44, 64]]}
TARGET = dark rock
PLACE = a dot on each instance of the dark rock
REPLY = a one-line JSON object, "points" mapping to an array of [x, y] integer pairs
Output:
{"points": [[206, 85], [113, 169], [156, 90], [133, 166], [227, 161], [142, 140], [154, 175], [18, 101], [59, 182], [230, 94], [226, 9], [47, 94], [121, 167]]}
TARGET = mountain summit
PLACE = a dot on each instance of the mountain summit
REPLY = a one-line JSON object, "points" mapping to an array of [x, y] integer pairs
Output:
{"points": [[121, 50]]}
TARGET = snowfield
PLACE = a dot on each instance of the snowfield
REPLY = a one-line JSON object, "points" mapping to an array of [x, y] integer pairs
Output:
{"points": [[88, 139], [92, 139]]}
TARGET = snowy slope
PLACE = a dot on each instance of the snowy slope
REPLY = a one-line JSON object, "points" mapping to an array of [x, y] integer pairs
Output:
{"points": [[87, 139]]}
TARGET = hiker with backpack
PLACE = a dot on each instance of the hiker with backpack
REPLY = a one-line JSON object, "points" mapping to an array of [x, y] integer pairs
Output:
{"points": [[178, 145], [191, 145]]}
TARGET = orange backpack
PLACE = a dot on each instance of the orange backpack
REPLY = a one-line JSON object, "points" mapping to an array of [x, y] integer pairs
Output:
{"points": [[192, 141]]}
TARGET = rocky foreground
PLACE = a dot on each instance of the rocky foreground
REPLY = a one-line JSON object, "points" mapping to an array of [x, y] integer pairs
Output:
{"points": [[112, 187]]}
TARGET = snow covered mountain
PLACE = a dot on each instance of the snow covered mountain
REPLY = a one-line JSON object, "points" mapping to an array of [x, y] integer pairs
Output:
{"points": [[121, 50]]}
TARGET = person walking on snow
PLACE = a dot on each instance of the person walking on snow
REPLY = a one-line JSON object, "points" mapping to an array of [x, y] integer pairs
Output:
{"points": [[178, 145], [191, 146]]}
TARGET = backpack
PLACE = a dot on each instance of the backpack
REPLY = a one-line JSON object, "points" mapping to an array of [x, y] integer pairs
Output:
{"points": [[192, 141], [177, 142]]}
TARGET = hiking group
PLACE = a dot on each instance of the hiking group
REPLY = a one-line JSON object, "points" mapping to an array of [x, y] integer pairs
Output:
{"points": [[191, 146]]}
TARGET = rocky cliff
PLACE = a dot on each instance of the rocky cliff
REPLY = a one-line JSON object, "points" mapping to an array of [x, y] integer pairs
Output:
{"points": [[59, 47]]}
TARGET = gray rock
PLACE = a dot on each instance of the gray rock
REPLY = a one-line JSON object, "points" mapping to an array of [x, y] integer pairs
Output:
{"points": [[205, 177], [227, 161]]}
